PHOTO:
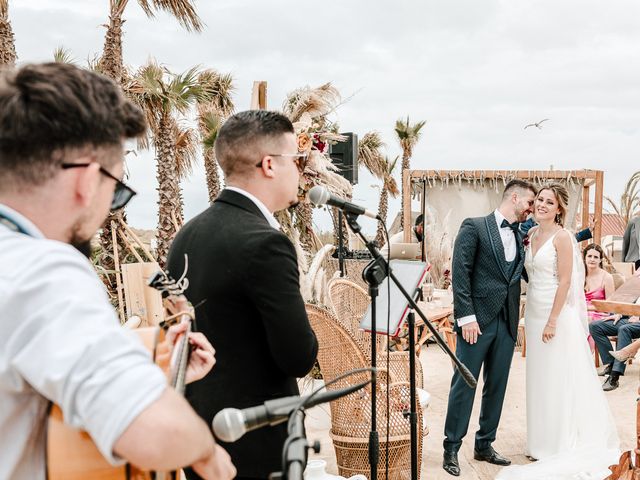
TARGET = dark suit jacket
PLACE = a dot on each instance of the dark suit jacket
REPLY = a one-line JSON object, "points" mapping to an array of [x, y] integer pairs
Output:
{"points": [[482, 284], [246, 273]]}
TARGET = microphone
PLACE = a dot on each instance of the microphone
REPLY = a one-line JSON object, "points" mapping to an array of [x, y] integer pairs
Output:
{"points": [[230, 424], [321, 196]]}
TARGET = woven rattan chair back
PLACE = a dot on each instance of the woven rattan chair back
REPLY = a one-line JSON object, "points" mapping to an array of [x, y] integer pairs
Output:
{"points": [[349, 303], [338, 353]]}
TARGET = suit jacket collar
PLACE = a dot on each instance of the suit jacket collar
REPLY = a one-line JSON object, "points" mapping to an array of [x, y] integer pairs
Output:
{"points": [[240, 201], [496, 245]]}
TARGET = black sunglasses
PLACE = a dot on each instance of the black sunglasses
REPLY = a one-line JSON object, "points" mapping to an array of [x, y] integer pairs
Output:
{"points": [[300, 159], [122, 193]]}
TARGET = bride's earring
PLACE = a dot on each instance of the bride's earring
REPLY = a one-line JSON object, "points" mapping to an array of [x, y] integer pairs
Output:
{"points": [[558, 218]]}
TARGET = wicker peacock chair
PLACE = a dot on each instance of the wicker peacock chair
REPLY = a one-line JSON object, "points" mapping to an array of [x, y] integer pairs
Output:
{"points": [[338, 353]]}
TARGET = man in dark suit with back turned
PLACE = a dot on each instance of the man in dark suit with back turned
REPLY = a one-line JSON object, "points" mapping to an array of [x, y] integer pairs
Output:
{"points": [[243, 274], [488, 259]]}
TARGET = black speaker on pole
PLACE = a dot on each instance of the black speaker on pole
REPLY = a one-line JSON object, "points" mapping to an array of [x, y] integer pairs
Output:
{"points": [[345, 156]]}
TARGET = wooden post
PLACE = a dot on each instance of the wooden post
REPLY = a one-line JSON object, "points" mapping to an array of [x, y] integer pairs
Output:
{"points": [[406, 205], [586, 191], [259, 96], [597, 231], [135, 238], [423, 211], [116, 258]]}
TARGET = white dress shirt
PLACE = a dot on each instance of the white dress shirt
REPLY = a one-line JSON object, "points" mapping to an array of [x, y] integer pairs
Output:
{"points": [[510, 249], [61, 340], [263, 208]]}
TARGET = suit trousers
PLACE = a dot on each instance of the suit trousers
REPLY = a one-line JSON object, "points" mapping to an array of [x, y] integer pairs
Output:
{"points": [[626, 333], [493, 352]]}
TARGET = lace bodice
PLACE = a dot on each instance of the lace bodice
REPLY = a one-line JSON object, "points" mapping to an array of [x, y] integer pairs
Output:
{"points": [[542, 269]]}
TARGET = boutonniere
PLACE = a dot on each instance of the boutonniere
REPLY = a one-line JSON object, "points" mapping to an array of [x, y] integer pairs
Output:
{"points": [[525, 241]]}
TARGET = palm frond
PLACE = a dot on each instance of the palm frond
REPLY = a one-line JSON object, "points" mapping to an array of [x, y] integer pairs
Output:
{"points": [[629, 204], [369, 154], [186, 139], [183, 10], [183, 90], [219, 89], [405, 130], [63, 55], [93, 63], [390, 182], [210, 122], [146, 89]]}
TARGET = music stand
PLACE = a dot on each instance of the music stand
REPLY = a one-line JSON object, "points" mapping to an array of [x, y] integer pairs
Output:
{"points": [[410, 274]]}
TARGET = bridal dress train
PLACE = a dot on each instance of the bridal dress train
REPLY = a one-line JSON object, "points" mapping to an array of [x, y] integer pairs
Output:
{"points": [[570, 429]]}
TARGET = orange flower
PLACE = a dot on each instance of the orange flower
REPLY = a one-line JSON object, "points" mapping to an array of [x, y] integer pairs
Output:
{"points": [[304, 142]]}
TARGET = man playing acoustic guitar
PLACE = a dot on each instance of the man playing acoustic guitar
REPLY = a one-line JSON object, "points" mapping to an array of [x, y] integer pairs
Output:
{"points": [[62, 131]]}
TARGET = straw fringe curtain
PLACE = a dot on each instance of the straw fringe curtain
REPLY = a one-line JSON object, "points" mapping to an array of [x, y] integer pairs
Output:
{"points": [[457, 196]]}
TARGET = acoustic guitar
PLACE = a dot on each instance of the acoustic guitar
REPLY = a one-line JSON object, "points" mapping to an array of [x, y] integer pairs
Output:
{"points": [[71, 453]]}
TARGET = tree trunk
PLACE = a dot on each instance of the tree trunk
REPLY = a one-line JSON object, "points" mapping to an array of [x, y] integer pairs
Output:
{"points": [[7, 40], [107, 260], [405, 166], [303, 223], [382, 212], [213, 176], [111, 62], [335, 215], [169, 195]]}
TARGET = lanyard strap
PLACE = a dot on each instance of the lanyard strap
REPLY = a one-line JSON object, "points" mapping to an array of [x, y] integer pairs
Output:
{"points": [[12, 224]]}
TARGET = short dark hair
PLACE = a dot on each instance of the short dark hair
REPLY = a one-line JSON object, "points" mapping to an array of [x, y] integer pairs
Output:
{"points": [[419, 220], [517, 184], [48, 109], [241, 137]]}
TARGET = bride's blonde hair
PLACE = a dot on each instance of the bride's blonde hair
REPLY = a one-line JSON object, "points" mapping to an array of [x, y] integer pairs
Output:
{"points": [[562, 197]]}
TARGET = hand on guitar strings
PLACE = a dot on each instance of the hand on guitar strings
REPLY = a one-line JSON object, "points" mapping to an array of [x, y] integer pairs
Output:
{"points": [[202, 354]]}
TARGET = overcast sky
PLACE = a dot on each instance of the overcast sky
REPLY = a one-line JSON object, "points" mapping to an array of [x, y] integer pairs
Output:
{"points": [[476, 71]]}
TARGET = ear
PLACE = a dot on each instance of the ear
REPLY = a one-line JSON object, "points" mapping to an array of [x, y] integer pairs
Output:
{"points": [[267, 166], [87, 183]]}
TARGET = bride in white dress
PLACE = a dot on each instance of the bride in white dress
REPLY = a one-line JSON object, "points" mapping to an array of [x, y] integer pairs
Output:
{"points": [[570, 429]]}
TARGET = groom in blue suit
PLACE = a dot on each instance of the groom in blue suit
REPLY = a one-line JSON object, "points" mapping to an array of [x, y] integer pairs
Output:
{"points": [[488, 260]]}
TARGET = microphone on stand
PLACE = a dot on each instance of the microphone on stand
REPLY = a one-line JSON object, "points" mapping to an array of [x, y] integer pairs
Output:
{"points": [[319, 195], [230, 424]]}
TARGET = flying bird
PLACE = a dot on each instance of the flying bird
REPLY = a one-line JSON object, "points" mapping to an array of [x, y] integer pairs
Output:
{"points": [[537, 124]]}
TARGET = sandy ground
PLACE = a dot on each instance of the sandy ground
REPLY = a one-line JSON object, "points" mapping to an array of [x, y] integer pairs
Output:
{"points": [[511, 438]]}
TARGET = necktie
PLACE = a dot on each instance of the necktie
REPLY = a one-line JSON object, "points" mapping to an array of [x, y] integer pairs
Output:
{"points": [[513, 226]]}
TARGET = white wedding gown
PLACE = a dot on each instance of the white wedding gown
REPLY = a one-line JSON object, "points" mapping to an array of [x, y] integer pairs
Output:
{"points": [[570, 429]]}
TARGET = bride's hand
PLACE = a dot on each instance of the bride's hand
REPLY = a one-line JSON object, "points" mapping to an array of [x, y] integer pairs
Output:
{"points": [[549, 332]]}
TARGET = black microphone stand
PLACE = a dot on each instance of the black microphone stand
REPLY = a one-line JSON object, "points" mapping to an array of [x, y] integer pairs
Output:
{"points": [[374, 274]]}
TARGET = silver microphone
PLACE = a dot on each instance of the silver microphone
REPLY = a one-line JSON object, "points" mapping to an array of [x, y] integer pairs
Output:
{"points": [[319, 195]]}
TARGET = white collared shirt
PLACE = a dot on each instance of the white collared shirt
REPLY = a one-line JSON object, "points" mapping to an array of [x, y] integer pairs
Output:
{"points": [[510, 249], [263, 208], [60, 340], [508, 238]]}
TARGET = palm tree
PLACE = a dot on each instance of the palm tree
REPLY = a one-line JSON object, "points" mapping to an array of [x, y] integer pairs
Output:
{"points": [[408, 135], [629, 205], [111, 62], [211, 114], [370, 155], [7, 41], [163, 96], [389, 187]]}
